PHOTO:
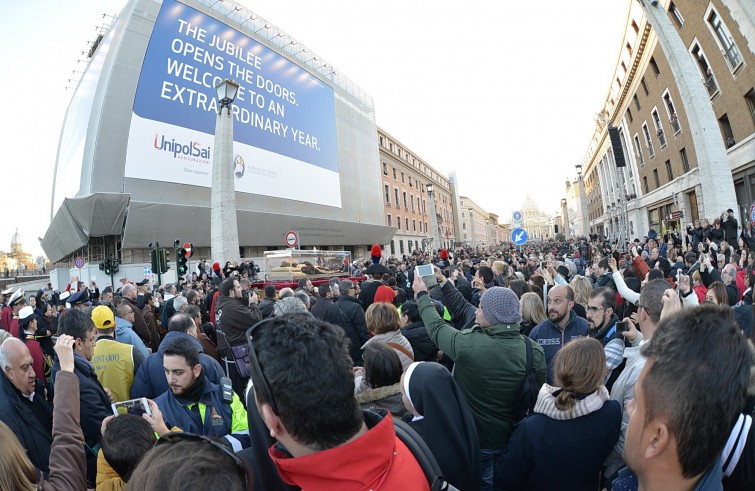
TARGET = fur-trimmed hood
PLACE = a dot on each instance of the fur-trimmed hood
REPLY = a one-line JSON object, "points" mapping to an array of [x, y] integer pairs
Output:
{"points": [[372, 395]]}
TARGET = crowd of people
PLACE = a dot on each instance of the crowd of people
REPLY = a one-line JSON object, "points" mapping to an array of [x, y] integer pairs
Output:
{"points": [[575, 364]]}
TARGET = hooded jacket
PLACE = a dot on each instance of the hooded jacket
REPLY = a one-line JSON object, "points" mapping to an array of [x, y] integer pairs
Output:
{"points": [[150, 379], [124, 333]]}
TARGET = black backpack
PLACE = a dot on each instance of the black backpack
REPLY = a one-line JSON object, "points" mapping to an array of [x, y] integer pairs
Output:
{"points": [[424, 456], [529, 389]]}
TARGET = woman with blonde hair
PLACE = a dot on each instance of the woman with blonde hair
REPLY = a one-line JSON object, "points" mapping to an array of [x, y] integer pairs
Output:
{"points": [[532, 310], [572, 429], [582, 289]]}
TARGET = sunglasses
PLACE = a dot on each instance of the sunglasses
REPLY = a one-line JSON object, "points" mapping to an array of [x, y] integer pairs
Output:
{"points": [[176, 437], [260, 382]]}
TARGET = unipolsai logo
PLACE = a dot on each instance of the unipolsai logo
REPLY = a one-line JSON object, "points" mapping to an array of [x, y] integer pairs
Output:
{"points": [[193, 151]]}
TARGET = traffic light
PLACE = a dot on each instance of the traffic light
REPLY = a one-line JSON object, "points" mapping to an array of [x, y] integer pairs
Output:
{"points": [[102, 266], [182, 268], [154, 259], [115, 264], [164, 260]]}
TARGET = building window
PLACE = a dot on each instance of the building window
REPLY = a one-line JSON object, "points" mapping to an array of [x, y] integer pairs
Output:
{"points": [[635, 27], [726, 131], [658, 127], [656, 179], [645, 184], [671, 112], [407, 223], [648, 141], [669, 171], [390, 146], [414, 225], [750, 98], [685, 161], [644, 86], [393, 247], [403, 180], [723, 38], [398, 222], [381, 141], [395, 193], [409, 246], [390, 220], [425, 227], [676, 15], [709, 80], [406, 203], [385, 169], [410, 182], [387, 194], [629, 115], [394, 174], [401, 246], [464, 226], [654, 67], [412, 200], [636, 102]]}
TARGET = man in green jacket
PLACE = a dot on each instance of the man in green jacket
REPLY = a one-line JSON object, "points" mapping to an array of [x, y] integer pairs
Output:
{"points": [[489, 356]]}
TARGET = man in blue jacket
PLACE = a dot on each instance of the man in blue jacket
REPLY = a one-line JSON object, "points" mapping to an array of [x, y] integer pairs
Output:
{"points": [[150, 380], [196, 405], [561, 326]]}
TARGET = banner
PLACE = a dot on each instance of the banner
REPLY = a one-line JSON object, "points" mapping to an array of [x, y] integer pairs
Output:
{"points": [[284, 118]]}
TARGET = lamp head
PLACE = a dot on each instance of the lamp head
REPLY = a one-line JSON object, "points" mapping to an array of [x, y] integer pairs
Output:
{"points": [[429, 188], [226, 90]]}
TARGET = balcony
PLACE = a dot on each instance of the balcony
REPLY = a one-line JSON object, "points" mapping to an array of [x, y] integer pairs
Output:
{"points": [[661, 137], [674, 121], [711, 85]]}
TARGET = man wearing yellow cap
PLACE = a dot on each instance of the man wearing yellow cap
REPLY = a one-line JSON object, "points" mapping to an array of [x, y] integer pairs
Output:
{"points": [[115, 363]]}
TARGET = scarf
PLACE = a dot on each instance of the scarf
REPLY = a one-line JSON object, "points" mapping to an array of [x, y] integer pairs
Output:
{"points": [[194, 393], [585, 404]]}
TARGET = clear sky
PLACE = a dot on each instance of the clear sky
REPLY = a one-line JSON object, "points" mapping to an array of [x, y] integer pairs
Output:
{"points": [[503, 93]]}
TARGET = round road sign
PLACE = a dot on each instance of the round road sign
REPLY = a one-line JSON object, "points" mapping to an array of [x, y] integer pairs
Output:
{"points": [[292, 238], [78, 262], [189, 248]]}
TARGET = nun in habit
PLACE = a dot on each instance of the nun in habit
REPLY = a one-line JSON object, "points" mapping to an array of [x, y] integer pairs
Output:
{"points": [[440, 414]]}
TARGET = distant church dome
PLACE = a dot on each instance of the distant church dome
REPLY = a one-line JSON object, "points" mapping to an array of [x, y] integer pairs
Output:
{"points": [[529, 204], [15, 243]]}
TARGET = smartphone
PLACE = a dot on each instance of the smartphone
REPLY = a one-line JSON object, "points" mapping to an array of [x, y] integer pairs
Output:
{"points": [[621, 326], [136, 407], [543, 265], [426, 272]]}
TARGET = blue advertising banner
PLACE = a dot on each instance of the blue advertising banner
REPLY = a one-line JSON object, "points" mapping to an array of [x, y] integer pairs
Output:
{"points": [[284, 118]]}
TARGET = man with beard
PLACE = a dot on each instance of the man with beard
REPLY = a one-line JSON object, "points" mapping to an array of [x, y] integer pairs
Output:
{"points": [[196, 405], [561, 326], [601, 322]]}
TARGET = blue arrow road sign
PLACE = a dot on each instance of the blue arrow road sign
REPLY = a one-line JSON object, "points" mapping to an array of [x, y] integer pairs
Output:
{"points": [[519, 236]]}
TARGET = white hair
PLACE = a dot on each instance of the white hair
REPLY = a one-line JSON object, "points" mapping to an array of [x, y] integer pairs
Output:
{"points": [[179, 303]]}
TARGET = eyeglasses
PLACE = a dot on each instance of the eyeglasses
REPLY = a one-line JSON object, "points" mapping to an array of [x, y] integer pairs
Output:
{"points": [[262, 386], [178, 436]]}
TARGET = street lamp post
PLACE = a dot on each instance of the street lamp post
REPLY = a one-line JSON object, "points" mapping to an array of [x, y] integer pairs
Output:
{"points": [[584, 218], [224, 229], [471, 229], [433, 217], [565, 218]]}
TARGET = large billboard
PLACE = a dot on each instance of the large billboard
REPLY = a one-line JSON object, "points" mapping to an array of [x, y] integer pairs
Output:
{"points": [[284, 118]]}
